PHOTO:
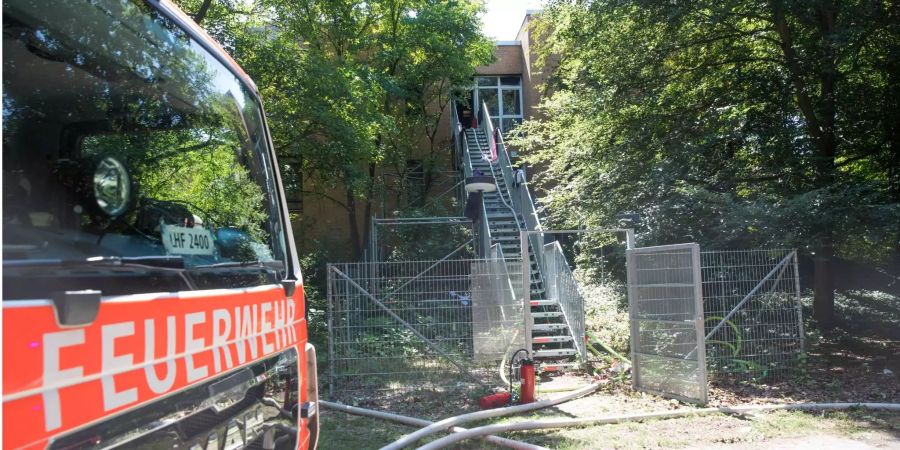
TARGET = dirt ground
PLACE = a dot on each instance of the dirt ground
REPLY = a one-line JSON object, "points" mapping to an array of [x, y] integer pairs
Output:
{"points": [[820, 442], [857, 362]]}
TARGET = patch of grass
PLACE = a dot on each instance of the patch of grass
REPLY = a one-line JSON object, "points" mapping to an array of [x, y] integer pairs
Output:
{"points": [[342, 431], [797, 423]]}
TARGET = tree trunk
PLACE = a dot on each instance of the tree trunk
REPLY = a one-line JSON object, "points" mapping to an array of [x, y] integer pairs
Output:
{"points": [[369, 199], [823, 284], [826, 171], [354, 224], [820, 123], [201, 13]]}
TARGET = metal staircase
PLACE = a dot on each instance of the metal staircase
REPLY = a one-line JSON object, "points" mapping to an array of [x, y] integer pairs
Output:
{"points": [[553, 341]]}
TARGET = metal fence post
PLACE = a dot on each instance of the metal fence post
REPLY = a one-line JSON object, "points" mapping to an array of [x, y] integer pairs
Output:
{"points": [[329, 297], [526, 290], [631, 279], [699, 321], [800, 327]]}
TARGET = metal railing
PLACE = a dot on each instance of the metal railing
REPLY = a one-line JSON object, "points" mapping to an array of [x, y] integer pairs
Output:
{"points": [[556, 273], [563, 287], [520, 202]]}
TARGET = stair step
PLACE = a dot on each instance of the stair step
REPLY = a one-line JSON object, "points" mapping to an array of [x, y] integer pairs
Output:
{"points": [[550, 339], [548, 314], [543, 302], [554, 352], [548, 327], [558, 367]]}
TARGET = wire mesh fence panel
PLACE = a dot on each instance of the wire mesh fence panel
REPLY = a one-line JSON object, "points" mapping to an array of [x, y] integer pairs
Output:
{"points": [[413, 325], [665, 309], [752, 313]]}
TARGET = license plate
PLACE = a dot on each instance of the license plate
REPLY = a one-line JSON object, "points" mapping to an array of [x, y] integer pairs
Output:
{"points": [[187, 241]]}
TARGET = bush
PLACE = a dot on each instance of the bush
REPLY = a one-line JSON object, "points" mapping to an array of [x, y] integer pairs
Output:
{"points": [[606, 310]]}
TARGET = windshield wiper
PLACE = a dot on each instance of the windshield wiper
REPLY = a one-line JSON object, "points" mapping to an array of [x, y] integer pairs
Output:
{"points": [[167, 262], [230, 264]]}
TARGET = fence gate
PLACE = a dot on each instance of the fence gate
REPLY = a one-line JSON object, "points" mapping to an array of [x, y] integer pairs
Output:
{"points": [[668, 351]]}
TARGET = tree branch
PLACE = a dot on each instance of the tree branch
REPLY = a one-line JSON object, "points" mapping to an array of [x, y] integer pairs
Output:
{"points": [[793, 66], [326, 196], [201, 13]]}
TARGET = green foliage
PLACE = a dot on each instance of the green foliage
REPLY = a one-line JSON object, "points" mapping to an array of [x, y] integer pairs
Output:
{"points": [[352, 88], [200, 167], [425, 242], [314, 265], [605, 310], [695, 116]]}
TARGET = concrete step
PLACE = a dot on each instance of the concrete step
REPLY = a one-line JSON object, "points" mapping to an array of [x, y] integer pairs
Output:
{"points": [[543, 303], [550, 339], [554, 353], [558, 367], [544, 327]]}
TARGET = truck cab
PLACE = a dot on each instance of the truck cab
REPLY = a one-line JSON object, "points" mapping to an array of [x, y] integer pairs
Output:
{"points": [[152, 296]]}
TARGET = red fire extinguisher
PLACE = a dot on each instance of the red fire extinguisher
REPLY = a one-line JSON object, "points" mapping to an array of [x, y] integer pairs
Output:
{"points": [[494, 400], [526, 374]]}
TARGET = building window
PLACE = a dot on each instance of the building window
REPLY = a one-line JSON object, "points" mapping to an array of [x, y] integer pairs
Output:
{"points": [[503, 97]]}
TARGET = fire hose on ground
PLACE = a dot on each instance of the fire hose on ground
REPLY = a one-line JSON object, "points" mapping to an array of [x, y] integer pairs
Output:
{"points": [[449, 422], [576, 422], [406, 420]]}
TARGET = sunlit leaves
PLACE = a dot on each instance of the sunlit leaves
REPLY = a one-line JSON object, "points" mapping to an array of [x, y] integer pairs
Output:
{"points": [[687, 113]]}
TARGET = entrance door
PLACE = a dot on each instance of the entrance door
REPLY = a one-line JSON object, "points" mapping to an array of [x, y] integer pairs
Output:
{"points": [[503, 98]]}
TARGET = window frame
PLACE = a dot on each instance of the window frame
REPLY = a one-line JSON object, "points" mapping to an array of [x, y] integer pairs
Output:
{"points": [[498, 87]]}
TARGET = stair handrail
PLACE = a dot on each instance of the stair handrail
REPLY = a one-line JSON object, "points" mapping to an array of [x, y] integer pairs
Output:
{"points": [[466, 162], [523, 203], [455, 130], [527, 208], [487, 125], [577, 329]]}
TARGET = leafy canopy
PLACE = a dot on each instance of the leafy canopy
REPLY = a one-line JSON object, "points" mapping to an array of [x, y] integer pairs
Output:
{"points": [[731, 123]]}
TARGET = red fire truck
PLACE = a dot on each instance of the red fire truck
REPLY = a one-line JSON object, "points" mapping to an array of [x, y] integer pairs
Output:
{"points": [[151, 291]]}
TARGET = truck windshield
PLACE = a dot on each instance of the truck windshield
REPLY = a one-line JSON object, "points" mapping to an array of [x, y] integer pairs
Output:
{"points": [[125, 138]]}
